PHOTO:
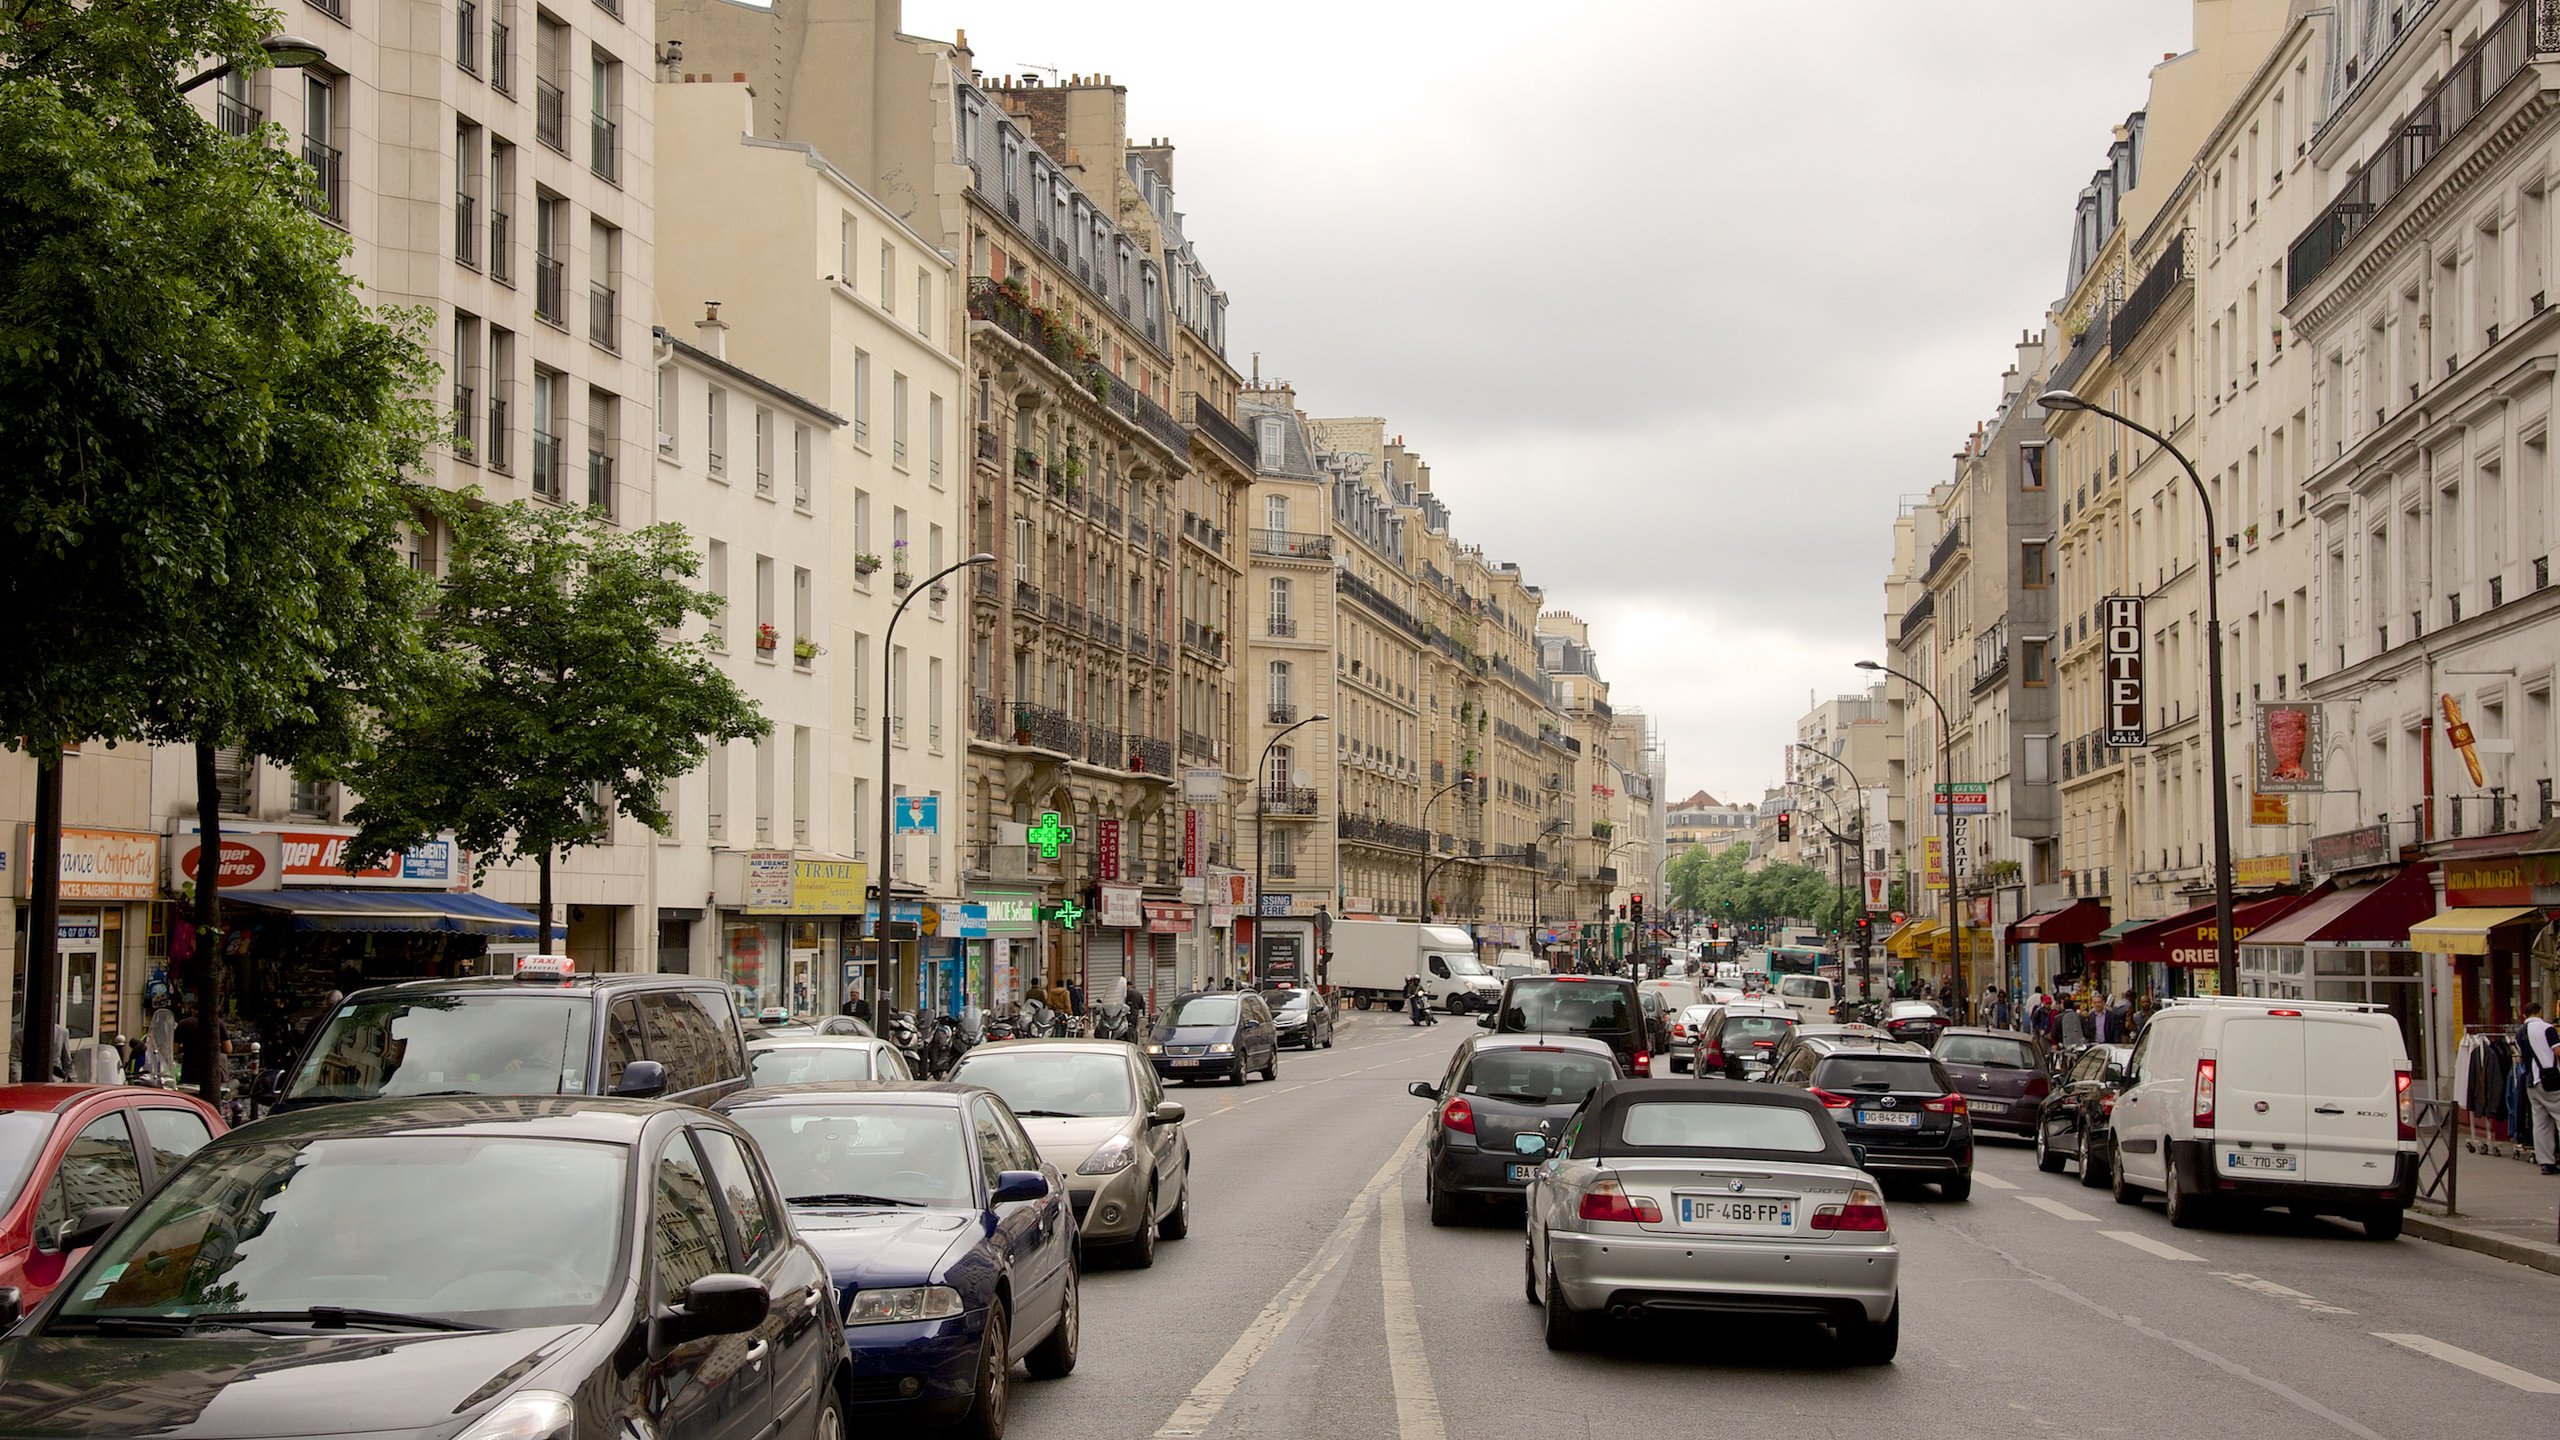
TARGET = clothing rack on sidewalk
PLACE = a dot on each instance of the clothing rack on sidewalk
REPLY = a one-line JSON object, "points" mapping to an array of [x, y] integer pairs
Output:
{"points": [[2485, 1074]]}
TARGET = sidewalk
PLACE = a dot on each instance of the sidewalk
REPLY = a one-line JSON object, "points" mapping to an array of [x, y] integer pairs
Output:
{"points": [[2508, 1208]]}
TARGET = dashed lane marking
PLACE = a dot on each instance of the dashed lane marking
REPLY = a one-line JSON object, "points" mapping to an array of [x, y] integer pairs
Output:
{"points": [[2280, 1292], [2149, 1246], [1408, 1365], [1990, 1181], [2057, 1209], [2524, 1380]]}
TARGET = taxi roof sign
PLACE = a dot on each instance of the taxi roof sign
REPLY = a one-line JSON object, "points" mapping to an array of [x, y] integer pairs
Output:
{"points": [[555, 969]]}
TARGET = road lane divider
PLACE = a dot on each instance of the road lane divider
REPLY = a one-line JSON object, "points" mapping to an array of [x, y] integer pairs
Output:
{"points": [[2481, 1365], [1989, 1181], [2057, 1209], [2280, 1292], [2149, 1246], [1408, 1365], [1201, 1407]]}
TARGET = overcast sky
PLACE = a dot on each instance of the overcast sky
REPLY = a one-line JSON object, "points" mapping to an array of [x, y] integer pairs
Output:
{"points": [[1678, 299]]}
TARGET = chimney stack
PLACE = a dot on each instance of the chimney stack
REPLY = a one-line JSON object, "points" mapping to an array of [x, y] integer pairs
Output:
{"points": [[713, 330]]}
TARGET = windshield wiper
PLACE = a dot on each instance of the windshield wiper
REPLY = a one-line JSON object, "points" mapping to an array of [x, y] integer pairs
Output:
{"points": [[852, 1199], [318, 1317]]}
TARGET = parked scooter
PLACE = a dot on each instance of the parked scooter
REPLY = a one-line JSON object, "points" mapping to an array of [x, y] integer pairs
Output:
{"points": [[1115, 1022], [901, 1031]]}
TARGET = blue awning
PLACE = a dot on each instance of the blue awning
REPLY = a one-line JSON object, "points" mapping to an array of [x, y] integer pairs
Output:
{"points": [[382, 910]]}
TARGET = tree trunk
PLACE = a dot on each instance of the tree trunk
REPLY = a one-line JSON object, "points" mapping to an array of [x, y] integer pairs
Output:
{"points": [[542, 935], [201, 1065], [44, 912]]}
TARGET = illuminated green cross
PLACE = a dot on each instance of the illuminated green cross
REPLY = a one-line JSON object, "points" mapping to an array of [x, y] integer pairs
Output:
{"points": [[1049, 835], [1068, 911]]}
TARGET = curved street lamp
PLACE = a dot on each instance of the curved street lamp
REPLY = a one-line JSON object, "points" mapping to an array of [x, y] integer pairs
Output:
{"points": [[1466, 781], [2226, 956], [1262, 806], [1946, 776], [888, 804], [284, 52]]}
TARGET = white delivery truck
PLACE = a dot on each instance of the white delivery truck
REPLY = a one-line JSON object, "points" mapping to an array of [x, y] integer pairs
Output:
{"points": [[1373, 958]]}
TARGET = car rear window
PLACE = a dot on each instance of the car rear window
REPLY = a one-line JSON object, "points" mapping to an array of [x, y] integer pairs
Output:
{"points": [[1991, 1052], [1711, 1125], [1804, 987], [798, 1064], [1755, 1027], [1537, 1077], [1568, 1007], [1881, 1074]]}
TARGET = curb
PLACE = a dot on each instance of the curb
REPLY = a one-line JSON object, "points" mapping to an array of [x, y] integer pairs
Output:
{"points": [[2511, 1248]]}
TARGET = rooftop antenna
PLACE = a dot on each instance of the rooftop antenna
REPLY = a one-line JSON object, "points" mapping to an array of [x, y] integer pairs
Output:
{"points": [[1049, 70]]}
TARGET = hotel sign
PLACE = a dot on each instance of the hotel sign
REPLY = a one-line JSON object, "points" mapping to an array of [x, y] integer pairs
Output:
{"points": [[2123, 701]]}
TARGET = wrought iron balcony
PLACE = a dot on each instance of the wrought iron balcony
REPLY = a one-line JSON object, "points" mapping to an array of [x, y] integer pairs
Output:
{"points": [[1292, 544], [1217, 429], [1288, 799], [551, 115], [551, 290], [328, 198]]}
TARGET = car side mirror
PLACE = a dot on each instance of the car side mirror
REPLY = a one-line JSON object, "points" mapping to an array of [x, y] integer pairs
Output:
{"points": [[715, 1304], [84, 1230], [1014, 1187], [1858, 1155], [1167, 1112], [1531, 1146], [1423, 1090], [644, 1080]]}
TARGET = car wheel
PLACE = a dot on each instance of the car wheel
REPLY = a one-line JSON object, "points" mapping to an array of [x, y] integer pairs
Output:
{"points": [[1241, 1074], [1055, 1356], [830, 1422], [1874, 1344], [2120, 1185], [2185, 1211], [1177, 1221], [1444, 1206], [985, 1420], [1328, 1035], [1272, 1070], [1960, 1188], [2383, 1223], [1359, 1002], [2096, 1165], [2048, 1159], [1567, 1328], [1140, 1252]]}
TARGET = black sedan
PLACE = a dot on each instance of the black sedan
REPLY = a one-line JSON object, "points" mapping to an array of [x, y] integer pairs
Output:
{"points": [[2072, 1124], [485, 1267], [1216, 1035], [1302, 1017], [1916, 1021], [1498, 1088], [952, 1244]]}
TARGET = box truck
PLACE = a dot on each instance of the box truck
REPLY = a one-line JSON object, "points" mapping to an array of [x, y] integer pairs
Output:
{"points": [[1373, 958]]}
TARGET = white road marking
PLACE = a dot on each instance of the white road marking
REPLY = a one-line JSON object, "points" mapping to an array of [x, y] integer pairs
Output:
{"points": [[1417, 1402], [2524, 1380], [2149, 1246], [1990, 1181], [2057, 1209], [1201, 1407]]}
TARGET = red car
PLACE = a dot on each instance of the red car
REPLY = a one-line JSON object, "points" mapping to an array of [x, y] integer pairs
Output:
{"points": [[65, 1149]]}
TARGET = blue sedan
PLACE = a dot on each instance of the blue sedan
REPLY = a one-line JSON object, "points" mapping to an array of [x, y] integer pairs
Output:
{"points": [[951, 1246]]}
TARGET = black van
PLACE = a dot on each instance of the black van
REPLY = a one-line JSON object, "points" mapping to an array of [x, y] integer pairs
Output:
{"points": [[549, 1031], [1603, 1007]]}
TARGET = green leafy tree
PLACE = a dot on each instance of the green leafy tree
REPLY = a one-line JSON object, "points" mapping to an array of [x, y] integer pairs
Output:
{"points": [[566, 693]]}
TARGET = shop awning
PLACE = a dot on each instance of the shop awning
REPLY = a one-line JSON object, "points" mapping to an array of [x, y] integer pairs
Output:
{"points": [[2118, 931], [2370, 914], [2188, 939], [2546, 841], [2077, 923], [2466, 931], [388, 910], [1905, 943]]}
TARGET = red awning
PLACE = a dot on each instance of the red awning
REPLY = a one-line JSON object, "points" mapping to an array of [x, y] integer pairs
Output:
{"points": [[2368, 913], [2077, 923], [2188, 938]]}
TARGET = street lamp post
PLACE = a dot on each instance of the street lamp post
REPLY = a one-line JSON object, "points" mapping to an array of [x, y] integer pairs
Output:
{"points": [[1866, 976], [1946, 777], [284, 52], [1262, 806], [888, 806], [2226, 955], [1424, 875]]}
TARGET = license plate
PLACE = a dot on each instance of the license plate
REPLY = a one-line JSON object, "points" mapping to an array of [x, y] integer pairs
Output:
{"points": [[1738, 1212], [1519, 1174], [2248, 1160], [1992, 1106], [1890, 1119], [1179, 1063]]}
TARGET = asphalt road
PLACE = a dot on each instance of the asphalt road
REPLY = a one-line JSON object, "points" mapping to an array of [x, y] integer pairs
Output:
{"points": [[1315, 1299]]}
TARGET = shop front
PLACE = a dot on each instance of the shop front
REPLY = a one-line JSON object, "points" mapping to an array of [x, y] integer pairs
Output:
{"points": [[2182, 954], [104, 945], [2352, 944], [2494, 933], [2050, 941], [1003, 927], [1171, 928], [787, 928], [1116, 947]]}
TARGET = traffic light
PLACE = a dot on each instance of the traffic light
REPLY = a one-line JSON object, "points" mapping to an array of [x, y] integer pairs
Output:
{"points": [[1786, 825], [1635, 908]]}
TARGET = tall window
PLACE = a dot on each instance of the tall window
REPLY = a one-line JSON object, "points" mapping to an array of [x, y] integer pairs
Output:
{"points": [[498, 449], [1275, 512], [604, 278], [924, 301], [547, 478], [604, 426], [933, 441], [764, 451], [1283, 623], [898, 420], [846, 231], [715, 430], [862, 398], [1279, 688], [715, 578], [801, 480], [467, 180], [320, 147], [551, 259], [466, 387], [604, 118], [502, 211], [933, 703], [888, 277]]}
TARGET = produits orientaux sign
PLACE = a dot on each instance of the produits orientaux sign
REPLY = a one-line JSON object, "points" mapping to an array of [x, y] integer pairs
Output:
{"points": [[2122, 615]]}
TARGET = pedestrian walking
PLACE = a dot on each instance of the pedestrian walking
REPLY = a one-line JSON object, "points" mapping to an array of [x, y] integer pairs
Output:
{"points": [[2073, 1029], [2540, 1043]]}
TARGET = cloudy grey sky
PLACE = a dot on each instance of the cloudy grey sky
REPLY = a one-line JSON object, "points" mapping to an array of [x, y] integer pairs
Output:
{"points": [[1677, 298]]}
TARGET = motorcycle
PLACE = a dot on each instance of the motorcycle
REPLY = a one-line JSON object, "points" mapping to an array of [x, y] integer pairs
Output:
{"points": [[1114, 1022], [942, 1047], [999, 1027], [901, 1032]]}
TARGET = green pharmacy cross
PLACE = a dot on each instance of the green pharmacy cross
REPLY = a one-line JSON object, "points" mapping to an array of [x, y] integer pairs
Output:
{"points": [[1068, 911], [1049, 835]]}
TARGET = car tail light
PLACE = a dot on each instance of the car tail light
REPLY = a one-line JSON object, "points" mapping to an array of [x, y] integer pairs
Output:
{"points": [[1945, 1105], [1458, 1115], [2039, 1084], [1829, 1100], [1679, 1030], [1713, 1059], [2204, 1092], [2107, 1103], [1863, 1212], [1608, 1200], [1644, 1062], [2408, 1106]]}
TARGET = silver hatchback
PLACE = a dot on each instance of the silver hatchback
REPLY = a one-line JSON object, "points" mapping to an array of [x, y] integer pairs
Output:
{"points": [[1097, 1111], [1709, 1197]]}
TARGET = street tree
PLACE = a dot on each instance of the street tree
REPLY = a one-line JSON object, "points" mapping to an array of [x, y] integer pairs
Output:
{"points": [[565, 693], [180, 340]]}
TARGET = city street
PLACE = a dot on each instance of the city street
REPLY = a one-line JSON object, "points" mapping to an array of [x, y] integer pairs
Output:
{"points": [[1300, 1306]]}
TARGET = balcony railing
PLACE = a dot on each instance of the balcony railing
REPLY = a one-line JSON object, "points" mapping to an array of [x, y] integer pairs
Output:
{"points": [[502, 250], [1217, 429], [1919, 614], [546, 465], [1948, 547], [1381, 832], [2504, 52], [1287, 799], [1280, 869], [502, 57], [602, 320], [1281, 627], [600, 481], [1292, 544], [2167, 274], [1283, 712], [466, 228], [550, 290], [466, 36], [551, 115], [235, 117], [605, 139], [499, 454], [465, 416], [328, 197]]}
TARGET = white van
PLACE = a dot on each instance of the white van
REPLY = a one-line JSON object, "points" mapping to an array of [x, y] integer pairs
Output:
{"points": [[1810, 996], [2243, 1101]]}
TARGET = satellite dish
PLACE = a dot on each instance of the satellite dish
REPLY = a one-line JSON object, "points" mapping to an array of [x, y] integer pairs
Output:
{"points": [[1302, 776]]}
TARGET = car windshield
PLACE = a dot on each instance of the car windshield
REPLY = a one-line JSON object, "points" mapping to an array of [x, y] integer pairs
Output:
{"points": [[500, 1231], [1711, 1125], [1992, 1052], [1879, 1074], [454, 1044], [852, 1154], [22, 1137], [1744, 1029], [794, 1064], [1804, 987], [1039, 1081], [1537, 1077], [1461, 963], [1208, 1010], [1568, 1007]]}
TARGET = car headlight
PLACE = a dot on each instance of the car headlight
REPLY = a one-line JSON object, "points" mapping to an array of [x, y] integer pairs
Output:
{"points": [[1222, 1048], [527, 1415], [913, 1302], [1154, 1049], [1110, 1157]]}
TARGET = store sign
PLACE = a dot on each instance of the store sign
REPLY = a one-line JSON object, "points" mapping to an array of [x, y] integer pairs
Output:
{"points": [[2503, 880], [317, 855], [1106, 852], [1933, 859], [1877, 883], [780, 883], [2263, 871], [1121, 908], [2351, 849], [2123, 698], [1203, 785], [918, 814], [252, 861], [1964, 799], [2267, 809], [1277, 904], [1009, 914], [768, 881], [2293, 747], [100, 864], [1190, 842], [1168, 919]]}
